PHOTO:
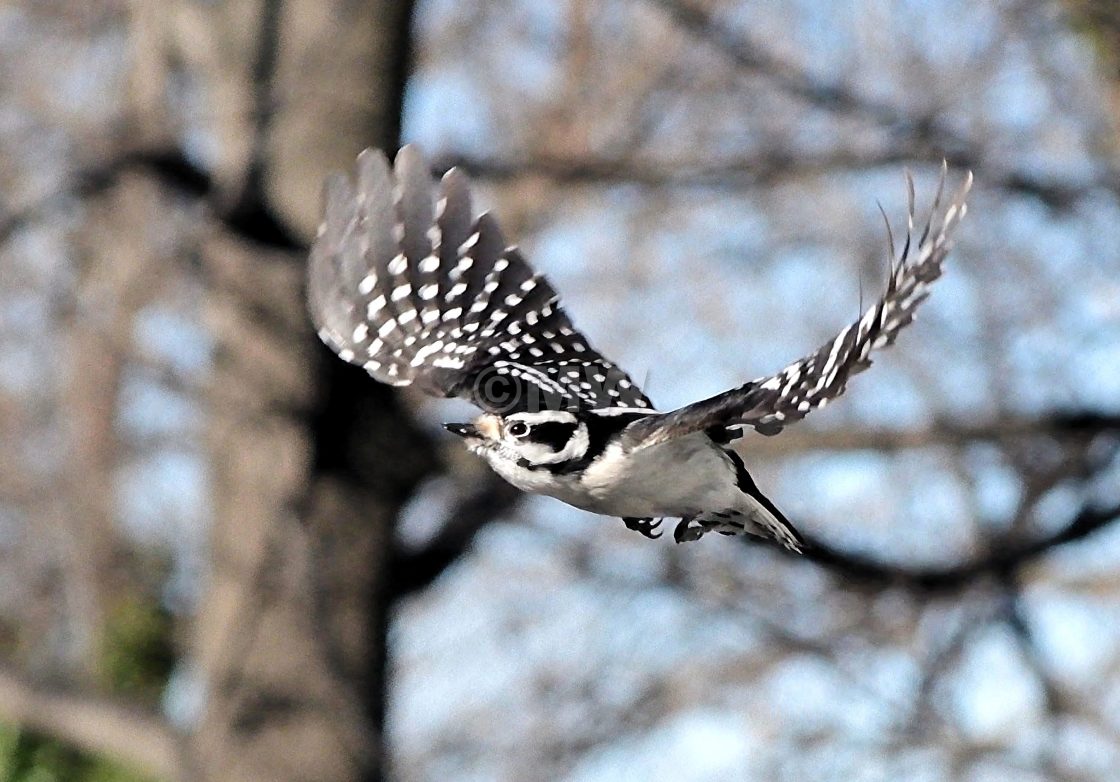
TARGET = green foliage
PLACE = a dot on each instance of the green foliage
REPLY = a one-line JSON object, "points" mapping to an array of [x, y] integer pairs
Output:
{"points": [[134, 660], [137, 651], [26, 756]]}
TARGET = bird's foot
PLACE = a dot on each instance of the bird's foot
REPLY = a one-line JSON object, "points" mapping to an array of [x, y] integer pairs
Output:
{"points": [[644, 526], [689, 529]]}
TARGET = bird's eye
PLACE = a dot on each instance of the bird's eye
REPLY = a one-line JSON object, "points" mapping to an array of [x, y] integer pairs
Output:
{"points": [[518, 429]]}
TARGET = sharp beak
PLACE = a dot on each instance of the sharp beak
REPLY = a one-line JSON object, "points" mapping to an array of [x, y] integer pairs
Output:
{"points": [[463, 430], [485, 427]]}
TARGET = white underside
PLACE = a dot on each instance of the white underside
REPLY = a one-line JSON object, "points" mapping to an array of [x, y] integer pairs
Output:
{"points": [[690, 477], [682, 477]]}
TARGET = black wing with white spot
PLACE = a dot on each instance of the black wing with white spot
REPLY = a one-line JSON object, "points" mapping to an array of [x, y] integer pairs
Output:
{"points": [[769, 403], [405, 283]]}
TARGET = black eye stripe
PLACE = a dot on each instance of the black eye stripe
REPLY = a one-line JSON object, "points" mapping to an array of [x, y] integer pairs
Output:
{"points": [[554, 434]]}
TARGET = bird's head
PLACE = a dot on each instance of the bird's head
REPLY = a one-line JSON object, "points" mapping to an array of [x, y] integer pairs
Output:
{"points": [[530, 440]]}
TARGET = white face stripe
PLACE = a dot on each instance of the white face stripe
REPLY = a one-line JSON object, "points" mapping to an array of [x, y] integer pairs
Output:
{"points": [[561, 416], [540, 453], [609, 411], [575, 448]]}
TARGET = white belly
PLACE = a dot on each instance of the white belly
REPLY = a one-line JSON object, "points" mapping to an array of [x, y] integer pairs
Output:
{"points": [[690, 478], [682, 477]]}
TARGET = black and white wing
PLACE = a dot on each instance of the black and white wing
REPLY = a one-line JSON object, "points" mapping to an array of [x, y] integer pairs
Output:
{"points": [[769, 403], [404, 282]]}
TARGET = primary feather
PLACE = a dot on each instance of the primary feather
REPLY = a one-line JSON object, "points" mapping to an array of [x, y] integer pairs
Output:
{"points": [[769, 403], [403, 282]]}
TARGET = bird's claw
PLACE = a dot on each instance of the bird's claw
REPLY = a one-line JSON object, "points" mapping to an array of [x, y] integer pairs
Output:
{"points": [[684, 532], [644, 526]]}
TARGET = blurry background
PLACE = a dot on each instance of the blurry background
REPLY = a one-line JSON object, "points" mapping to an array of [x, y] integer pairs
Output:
{"points": [[225, 555]]}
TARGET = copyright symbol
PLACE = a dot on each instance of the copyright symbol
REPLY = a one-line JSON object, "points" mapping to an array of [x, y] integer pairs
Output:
{"points": [[495, 390]]}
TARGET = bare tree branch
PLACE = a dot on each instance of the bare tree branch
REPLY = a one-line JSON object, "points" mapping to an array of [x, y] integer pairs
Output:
{"points": [[913, 136], [91, 723], [740, 173], [945, 432], [747, 55], [998, 562], [767, 169], [411, 571], [169, 167]]}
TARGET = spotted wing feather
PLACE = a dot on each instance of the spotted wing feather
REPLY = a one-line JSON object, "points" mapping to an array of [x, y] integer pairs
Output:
{"points": [[769, 403], [403, 282]]}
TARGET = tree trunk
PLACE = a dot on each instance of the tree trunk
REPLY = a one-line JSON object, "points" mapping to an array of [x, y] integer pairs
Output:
{"points": [[311, 460], [290, 635]]}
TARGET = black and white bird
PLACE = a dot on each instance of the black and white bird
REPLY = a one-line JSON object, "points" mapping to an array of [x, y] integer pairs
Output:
{"points": [[405, 282]]}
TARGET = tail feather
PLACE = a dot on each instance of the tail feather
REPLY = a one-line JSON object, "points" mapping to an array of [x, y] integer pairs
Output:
{"points": [[754, 515], [761, 517]]}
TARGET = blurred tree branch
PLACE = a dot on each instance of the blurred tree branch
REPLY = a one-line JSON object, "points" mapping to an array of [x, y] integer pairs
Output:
{"points": [[411, 571], [760, 170], [1004, 558], [93, 723], [921, 137], [1062, 425], [754, 171], [752, 58]]}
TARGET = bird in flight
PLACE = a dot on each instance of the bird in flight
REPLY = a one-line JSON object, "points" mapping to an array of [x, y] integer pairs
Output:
{"points": [[405, 282]]}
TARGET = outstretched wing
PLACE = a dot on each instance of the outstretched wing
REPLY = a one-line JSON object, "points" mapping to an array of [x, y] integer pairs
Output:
{"points": [[405, 283], [769, 403]]}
